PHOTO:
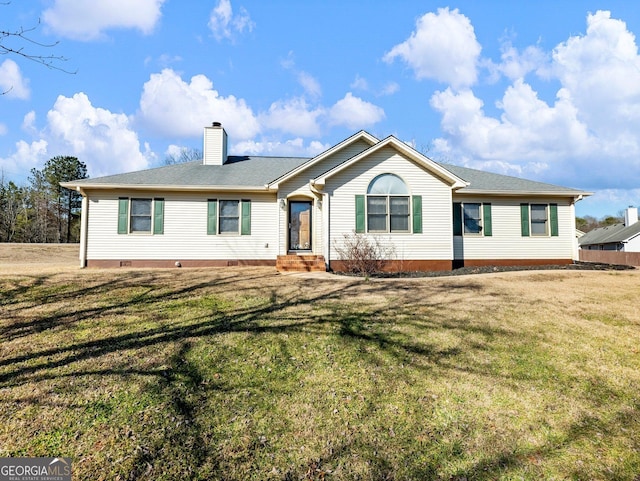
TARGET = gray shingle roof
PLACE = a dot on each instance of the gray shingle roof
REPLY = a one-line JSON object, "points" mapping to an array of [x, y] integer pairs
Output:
{"points": [[488, 182], [610, 234], [239, 171], [256, 171]]}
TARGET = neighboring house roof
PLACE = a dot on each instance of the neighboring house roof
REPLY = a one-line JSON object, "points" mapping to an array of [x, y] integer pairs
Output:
{"points": [[615, 233], [239, 172]]}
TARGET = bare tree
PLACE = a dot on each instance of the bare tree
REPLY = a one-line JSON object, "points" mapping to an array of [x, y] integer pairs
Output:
{"points": [[21, 42], [186, 154]]}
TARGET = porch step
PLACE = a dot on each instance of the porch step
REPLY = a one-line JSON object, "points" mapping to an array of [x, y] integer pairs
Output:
{"points": [[300, 263]]}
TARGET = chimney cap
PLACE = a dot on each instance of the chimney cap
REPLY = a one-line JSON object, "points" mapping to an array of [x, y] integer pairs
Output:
{"points": [[216, 124]]}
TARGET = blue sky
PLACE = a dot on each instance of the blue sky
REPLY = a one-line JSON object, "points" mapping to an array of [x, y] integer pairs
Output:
{"points": [[544, 90]]}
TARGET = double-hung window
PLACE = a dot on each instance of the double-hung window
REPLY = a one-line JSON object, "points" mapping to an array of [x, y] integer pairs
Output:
{"points": [[228, 217], [140, 216], [539, 220], [472, 218]]}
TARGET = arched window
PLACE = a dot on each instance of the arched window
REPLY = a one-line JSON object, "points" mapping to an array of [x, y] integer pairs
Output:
{"points": [[387, 204]]}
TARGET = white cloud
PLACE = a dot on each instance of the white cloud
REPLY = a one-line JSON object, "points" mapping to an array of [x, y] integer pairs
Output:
{"points": [[224, 24], [310, 84], [293, 147], [3, 129], [103, 140], [28, 122], [172, 107], [294, 117], [389, 89], [602, 71], [12, 83], [26, 156], [516, 65], [443, 47], [359, 83], [84, 20], [586, 137], [354, 113], [529, 136]]}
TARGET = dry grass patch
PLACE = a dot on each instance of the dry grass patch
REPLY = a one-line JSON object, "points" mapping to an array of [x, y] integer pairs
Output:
{"points": [[246, 374]]}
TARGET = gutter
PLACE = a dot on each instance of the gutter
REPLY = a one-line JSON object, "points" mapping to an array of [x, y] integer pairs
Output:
{"points": [[169, 187]]}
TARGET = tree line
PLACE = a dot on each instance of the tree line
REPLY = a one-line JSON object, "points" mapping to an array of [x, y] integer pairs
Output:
{"points": [[42, 210]]}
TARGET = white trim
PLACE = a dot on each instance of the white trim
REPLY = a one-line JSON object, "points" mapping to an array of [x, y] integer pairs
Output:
{"points": [[362, 135], [84, 220], [170, 187], [453, 180]]}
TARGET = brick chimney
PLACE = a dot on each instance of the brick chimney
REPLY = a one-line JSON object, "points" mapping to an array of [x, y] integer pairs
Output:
{"points": [[215, 145]]}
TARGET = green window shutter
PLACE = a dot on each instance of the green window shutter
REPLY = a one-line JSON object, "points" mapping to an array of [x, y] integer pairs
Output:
{"points": [[524, 219], [245, 228], [417, 214], [553, 218], [158, 216], [457, 218], [123, 215], [487, 227], [212, 217], [360, 219]]}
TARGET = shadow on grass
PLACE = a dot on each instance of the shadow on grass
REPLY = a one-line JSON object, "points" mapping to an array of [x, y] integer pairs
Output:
{"points": [[285, 312]]}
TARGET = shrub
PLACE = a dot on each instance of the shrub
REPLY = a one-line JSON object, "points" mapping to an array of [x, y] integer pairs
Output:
{"points": [[364, 254]]}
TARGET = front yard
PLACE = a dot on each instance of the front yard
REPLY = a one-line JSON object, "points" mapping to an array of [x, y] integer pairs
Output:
{"points": [[242, 373]]}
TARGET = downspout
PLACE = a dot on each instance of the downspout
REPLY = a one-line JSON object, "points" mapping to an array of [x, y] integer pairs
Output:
{"points": [[84, 222]]}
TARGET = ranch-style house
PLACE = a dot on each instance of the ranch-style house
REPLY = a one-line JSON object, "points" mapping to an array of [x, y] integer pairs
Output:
{"points": [[295, 213]]}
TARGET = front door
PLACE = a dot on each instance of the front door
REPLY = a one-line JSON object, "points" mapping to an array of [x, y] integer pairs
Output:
{"points": [[299, 225]]}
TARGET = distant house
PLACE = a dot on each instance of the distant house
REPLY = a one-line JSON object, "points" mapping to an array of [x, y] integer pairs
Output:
{"points": [[623, 237], [294, 213]]}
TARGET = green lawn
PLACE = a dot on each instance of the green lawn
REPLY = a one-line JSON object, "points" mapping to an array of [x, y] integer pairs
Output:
{"points": [[243, 374]]}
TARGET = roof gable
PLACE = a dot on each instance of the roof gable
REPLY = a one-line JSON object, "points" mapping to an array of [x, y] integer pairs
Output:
{"points": [[357, 137], [453, 180]]}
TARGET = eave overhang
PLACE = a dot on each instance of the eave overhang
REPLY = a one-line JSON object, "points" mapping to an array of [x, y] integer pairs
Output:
{"points": [[170, 187]]}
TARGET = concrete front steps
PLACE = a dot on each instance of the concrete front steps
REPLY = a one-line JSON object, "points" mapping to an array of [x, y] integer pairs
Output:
{"points": [[300, 263]]}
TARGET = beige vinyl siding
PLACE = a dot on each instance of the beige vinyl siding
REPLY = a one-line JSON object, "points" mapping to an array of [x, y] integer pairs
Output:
{"points": [[185, 229], [297, 188], [507, 241], [435, 242]]}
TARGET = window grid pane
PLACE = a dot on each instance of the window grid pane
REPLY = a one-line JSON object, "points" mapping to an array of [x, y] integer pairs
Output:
{"points": [[472, 219], [377, 205], [539, 219], [400, 223], [377, 223], [399, 205], [229, 222], [140, 220]]}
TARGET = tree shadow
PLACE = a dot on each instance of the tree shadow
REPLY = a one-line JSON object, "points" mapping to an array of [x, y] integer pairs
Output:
{"points": [[285, 311]]}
